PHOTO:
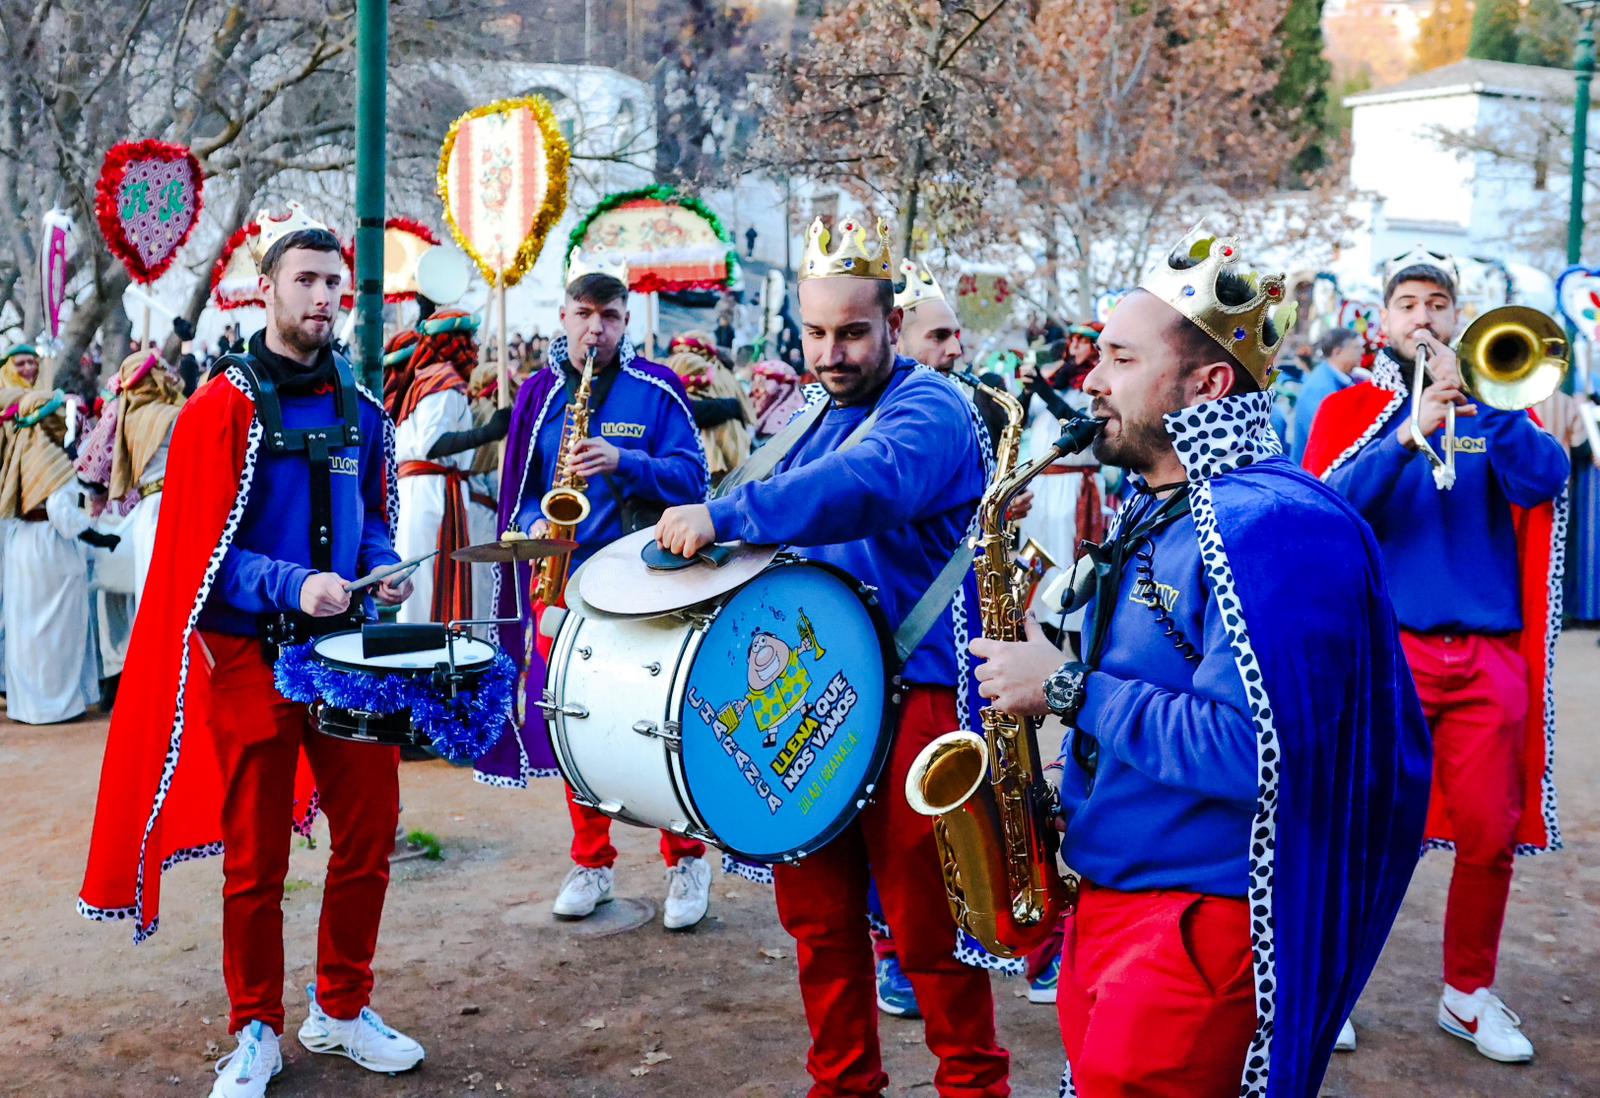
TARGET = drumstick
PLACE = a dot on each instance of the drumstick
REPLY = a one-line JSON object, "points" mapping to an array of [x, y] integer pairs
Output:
{"points": [[404, 568]]}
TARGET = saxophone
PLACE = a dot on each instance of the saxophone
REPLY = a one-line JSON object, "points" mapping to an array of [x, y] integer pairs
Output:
{"points": [[565, 506], [993, 811]]}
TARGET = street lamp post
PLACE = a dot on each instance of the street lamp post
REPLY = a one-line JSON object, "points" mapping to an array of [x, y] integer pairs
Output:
{"points": [[1583, 64], [372, 57]]}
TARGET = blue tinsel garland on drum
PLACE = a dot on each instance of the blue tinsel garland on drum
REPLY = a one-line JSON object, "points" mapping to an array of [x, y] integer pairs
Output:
{"points": [[460, 729]]}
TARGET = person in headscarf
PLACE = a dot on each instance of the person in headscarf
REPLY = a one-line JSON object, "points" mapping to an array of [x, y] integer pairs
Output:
{"points": [[149, 398], [425, 392], [483, 481], [721, 409], [52, 677], [19, 369]]}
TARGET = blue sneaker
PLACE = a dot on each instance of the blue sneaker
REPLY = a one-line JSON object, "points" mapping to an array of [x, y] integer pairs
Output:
{"points": [[1042, 988], [894, 990]]}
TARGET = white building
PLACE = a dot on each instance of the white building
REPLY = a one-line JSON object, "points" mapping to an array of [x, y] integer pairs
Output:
{"points": [[1467, 159]]}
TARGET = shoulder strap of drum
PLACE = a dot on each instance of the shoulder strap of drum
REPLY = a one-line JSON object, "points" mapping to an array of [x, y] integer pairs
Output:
{"points": [[933, 601], [765, 461]]}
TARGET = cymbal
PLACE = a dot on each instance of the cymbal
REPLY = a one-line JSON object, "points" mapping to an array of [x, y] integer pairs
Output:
{"points": [[616, 581], [504, 552]]}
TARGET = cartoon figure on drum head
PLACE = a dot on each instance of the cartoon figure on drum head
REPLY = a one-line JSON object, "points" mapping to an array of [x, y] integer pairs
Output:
{"points": [[779, 682]]}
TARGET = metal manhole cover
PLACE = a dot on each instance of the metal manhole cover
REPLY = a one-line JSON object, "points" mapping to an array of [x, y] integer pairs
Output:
{"points": [[621, 915]]}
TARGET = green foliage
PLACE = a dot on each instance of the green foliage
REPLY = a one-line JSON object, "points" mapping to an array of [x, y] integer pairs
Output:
{"points": [[426, 842], [1495, 25], [1339, 116], [1303, 80], [1549, 29]]}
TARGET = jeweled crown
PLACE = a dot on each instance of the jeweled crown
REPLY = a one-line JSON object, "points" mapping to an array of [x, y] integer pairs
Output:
{"points": [[1420, 256], [581, 263], [919, 285], [860, 254], [271, 228], [1238, 329]]}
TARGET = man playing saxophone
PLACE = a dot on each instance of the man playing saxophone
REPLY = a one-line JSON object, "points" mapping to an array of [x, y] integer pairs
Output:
{"points": [[881, 480], [1245, 768], [642, 453]]}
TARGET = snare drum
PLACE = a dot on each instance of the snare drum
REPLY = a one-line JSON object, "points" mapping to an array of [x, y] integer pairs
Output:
{"points": [[759, 720], [403, 698]]}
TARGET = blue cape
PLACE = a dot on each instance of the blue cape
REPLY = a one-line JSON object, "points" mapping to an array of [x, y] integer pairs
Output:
{"points": [[1343, 749]]}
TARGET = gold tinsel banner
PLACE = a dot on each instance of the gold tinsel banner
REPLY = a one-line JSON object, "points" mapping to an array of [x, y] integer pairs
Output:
{"points": [[503, 181]]}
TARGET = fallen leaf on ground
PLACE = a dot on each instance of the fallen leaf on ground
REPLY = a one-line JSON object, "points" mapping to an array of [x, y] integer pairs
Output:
{"points": [[593, 1023], [638, 1071], [654, 1057], [774, 954]]}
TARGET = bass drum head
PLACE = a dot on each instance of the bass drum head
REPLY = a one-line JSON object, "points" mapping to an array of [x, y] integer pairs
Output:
{"points": [[787, 712]]}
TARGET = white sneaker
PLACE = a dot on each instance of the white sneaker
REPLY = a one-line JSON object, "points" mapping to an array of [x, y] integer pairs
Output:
{"points": [[584, 890], [1485, 1021], [364, 1039], [1346, 1041], [246, 1071], [688, 894]]}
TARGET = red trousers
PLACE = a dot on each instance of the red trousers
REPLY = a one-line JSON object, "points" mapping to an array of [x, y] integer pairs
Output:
{"points": [[821, 903], [1474, 691], [259, 736], [591, 829], [1157, 994], [591, 839]]}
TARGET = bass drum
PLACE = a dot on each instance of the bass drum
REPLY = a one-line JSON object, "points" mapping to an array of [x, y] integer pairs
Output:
{"points": [[758, 721]]}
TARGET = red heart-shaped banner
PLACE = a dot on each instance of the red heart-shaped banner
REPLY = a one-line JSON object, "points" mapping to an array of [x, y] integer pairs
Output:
{"points": [[148, 202]]}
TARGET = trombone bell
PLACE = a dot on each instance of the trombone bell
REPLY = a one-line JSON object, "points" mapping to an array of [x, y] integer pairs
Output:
{"points": [[1512, 357]]}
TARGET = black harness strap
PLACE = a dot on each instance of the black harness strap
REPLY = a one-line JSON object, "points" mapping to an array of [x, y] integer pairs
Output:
{"points": [[318, 444]]}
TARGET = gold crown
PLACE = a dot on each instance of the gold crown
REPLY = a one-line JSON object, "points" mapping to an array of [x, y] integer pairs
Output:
{"points": [[581, 263], [271, 229], [857, 255], [919, 286], [1238, 329], [1420, 256]]}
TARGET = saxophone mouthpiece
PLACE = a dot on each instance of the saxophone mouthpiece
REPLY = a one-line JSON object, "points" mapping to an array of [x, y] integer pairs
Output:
{"points": [[1078, 433]]}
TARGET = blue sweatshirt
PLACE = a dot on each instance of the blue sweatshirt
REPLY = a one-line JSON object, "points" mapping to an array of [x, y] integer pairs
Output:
{"points": [[647, 418], [1174, 790], [270, 558], [890, 510], [1451, 557]]}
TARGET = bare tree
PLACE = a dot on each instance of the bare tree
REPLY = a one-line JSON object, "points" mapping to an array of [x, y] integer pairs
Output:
{"points": [[906, 100]]}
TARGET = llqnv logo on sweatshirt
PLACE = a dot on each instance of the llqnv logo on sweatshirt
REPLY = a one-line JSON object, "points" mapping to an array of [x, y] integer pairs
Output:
{"points": [[622, 430], [349, 466], [1150, 593]]}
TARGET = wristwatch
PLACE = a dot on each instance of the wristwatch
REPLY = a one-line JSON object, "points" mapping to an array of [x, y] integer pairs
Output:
{"points": [[1064, 690]]}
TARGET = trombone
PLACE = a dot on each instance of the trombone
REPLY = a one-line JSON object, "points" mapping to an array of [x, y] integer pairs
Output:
{"points": [[1510, 358]]}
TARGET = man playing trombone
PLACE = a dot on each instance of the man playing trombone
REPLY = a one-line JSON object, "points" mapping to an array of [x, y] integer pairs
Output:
{"points": [[1466, 501]]}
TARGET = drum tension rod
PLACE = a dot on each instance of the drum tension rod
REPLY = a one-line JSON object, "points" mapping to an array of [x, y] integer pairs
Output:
{"points": [[670, 733], [548, 706]]}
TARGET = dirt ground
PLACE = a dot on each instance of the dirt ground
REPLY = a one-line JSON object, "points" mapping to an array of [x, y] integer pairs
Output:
{"points": [[509, 1002]]}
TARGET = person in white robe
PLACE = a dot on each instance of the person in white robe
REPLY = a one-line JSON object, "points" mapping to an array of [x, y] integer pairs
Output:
{"points": [[51, 672], [425, 392]]}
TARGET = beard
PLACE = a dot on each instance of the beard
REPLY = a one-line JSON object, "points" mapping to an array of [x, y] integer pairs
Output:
{"points": [[850, 383], [1138, 443], [301, 338]]}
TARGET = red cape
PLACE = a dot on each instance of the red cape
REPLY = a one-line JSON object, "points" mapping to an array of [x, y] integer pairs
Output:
{"points": [[1349, 419], [160, 784]]}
